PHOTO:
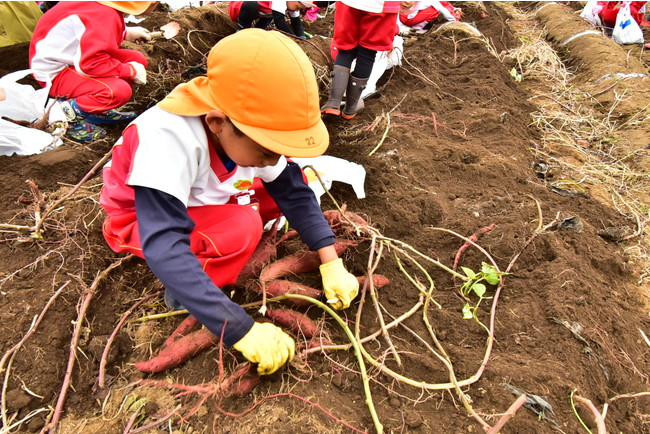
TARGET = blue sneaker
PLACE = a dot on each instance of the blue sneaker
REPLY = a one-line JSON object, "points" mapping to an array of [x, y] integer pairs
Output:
{"points": [[74, 113], [84, 132], [110, 117]]}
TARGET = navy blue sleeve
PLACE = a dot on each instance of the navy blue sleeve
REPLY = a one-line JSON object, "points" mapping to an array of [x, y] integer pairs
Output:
{"points": [[299, 205], [164, 235]]}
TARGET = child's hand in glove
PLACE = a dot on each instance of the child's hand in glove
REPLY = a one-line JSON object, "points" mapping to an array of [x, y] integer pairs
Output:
{"points": [[134, 34], [339, 285], [268, 346], [140, 72]]}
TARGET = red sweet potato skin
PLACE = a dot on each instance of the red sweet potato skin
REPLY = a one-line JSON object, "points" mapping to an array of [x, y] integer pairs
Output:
{"points": [[276, 288], [241, 381], [297, 322], [378, 280], [300, 262], [264, 253], [334, 217], [183, 329], [179, 351]]}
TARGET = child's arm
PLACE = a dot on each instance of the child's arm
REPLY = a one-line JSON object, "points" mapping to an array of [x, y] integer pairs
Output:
{"points": [[164, 235], [299, 205]]}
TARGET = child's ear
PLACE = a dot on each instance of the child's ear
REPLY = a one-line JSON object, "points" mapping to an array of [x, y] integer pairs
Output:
{"points": [[216, 120]]}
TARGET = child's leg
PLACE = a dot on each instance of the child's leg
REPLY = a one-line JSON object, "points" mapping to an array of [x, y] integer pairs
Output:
{"points": [[248, 13], [365, 60], [345, 57], [358, 81], [93, 95], [124, 55], [224, 238]]}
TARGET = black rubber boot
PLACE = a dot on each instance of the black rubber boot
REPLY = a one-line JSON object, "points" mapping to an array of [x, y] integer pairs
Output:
{"points": [[353, 101], [340, 78]]}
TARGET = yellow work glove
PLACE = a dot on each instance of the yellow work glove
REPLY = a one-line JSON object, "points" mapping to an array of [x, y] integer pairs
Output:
{"points": [[339, 285], [268, 346]]}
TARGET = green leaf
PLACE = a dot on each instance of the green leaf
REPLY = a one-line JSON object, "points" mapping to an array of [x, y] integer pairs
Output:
{"points": [[516, 75], [490, 274], [467, 312], [479, 289], [469, 273]]}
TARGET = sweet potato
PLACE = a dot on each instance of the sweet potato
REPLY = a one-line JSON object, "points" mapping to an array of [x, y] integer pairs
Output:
{"points": [[264, 253], [183, 329], [378, 280], [340, 224], [276, 288], [317, 342], [286, 237], [300, 262], [297, 322], [179, 351], [241, 381]]}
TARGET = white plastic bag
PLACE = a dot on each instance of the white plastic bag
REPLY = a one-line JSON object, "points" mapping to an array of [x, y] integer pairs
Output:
{"points": [[24, 103], [333, 169], [626, 30], [587, 13]]}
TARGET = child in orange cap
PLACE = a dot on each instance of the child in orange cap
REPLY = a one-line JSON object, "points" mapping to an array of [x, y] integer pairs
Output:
{"points": [[193, 180], [76, 48]]}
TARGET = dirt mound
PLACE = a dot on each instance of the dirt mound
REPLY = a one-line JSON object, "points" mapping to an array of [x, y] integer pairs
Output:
{"points": [[453, 146]]}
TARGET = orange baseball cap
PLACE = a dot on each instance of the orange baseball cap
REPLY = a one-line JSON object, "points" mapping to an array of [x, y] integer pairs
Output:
{"points": [[264, 82], [133, 8]]}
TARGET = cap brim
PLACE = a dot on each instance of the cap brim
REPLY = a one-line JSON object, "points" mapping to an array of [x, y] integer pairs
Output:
{"points": [[310, 142], [189, 99]]}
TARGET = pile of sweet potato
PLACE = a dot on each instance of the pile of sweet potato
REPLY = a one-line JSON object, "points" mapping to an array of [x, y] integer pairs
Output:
{"points": [[265, 274]]}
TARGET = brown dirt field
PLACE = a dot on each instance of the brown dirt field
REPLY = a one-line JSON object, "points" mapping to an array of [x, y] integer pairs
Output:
{"points": [[461, 149]]}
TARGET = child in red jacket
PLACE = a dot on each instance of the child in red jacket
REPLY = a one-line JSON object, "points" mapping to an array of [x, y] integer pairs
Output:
{"points": [[414, 16], [361, 28], [262, 14], [76, 48], [608, 10]]}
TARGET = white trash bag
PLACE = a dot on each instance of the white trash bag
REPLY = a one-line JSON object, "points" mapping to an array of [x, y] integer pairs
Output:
{"points": [[588, 14], [21, 102], [626, 30], [333, 169]]}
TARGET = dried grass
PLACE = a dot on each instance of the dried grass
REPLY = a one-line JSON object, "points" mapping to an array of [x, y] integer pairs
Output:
{"points": [[580, 141]]}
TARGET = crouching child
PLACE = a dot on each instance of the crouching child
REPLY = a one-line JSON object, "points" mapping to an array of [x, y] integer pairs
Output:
{"points": [[193, 179]]}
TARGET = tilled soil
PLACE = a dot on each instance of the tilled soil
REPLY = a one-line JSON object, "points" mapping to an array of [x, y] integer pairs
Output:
{"points": [[455, 153]]}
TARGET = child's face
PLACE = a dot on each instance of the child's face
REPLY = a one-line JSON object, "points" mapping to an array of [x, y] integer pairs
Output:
{"points": [[244, 151], [405, 6]]}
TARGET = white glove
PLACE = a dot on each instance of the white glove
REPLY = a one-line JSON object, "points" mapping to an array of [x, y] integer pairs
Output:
{"points": [[135, 33], [140, 73]]}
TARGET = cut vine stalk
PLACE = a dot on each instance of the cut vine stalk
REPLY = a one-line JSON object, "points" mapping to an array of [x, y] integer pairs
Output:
{"points": [[84, 304], [12, 352], [372, 266], [357, 347], [37, 233], [109, 342]]}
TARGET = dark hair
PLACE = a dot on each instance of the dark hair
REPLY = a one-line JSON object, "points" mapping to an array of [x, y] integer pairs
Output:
{"points": [[236, 130]]}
